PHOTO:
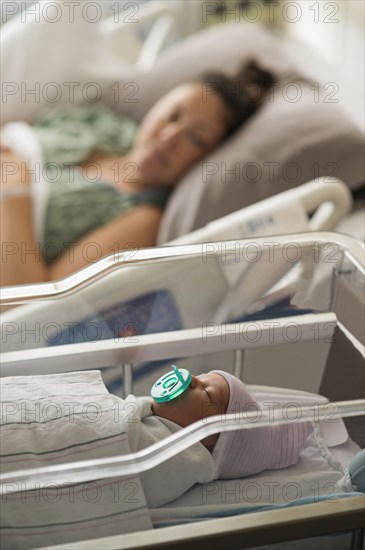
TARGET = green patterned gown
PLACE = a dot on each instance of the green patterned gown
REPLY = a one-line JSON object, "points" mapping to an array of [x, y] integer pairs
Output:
{"points": [[77, 205]]}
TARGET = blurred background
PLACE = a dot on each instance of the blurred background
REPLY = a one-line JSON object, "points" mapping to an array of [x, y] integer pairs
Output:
{"points": [[334, 31]]}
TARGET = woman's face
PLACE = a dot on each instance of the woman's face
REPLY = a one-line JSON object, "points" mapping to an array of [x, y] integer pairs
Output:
{"points": [[207, 395], [181, 128]]}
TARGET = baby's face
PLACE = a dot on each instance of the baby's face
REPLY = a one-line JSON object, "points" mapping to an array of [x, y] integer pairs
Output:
{"points": [[207, 395]]}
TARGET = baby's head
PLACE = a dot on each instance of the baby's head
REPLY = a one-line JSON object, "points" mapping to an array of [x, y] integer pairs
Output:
{"points": [[236, 453], [207, 395], [214, 393]]}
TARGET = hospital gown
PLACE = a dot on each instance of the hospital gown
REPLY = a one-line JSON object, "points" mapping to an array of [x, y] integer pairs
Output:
{"points": [[76, 204]]}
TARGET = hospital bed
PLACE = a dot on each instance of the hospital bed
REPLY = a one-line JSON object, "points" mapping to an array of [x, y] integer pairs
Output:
{"points": [[322, 324]]}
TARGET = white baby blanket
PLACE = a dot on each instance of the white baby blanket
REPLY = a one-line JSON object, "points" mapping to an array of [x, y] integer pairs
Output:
{"points": [[175, 476], [53, 419]]}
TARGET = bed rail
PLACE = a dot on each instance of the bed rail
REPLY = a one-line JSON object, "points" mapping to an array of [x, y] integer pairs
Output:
{"points": [[67, 286], [150, 457], [323, 203], [128, 351]]}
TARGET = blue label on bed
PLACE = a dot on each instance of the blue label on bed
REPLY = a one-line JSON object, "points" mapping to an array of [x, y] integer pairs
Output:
{"points": [[147, 314]]}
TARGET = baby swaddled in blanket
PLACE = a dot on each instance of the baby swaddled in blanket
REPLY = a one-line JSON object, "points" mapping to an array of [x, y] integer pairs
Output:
{"points": [[62, 418]]}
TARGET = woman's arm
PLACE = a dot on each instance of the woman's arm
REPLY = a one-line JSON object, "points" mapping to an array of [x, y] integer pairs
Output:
{"points": [[13, 170], [130, 231]]}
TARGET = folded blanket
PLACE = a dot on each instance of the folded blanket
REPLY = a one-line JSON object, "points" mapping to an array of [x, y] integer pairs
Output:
{"points": [[55, 419]]}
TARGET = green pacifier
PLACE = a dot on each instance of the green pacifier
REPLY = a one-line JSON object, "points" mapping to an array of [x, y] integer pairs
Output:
{"points": [[171, 385]]}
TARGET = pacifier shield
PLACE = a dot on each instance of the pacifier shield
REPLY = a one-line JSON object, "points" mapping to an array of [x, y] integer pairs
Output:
{"points": [[171, 385]]}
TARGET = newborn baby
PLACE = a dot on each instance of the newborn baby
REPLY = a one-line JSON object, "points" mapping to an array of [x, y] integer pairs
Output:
{"points": [[54, 419], [237, 453], [64, 432]]}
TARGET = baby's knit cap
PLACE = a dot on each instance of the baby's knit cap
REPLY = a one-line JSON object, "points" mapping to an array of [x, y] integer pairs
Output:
{"points": [[245, 452]]}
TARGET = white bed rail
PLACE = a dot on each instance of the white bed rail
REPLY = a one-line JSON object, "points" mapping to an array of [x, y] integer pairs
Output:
{"points": [[317, 205], [207, 339], [63, 287]]}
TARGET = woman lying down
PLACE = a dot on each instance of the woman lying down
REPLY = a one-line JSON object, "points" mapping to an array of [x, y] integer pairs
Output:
{"points": [[55, 419]]}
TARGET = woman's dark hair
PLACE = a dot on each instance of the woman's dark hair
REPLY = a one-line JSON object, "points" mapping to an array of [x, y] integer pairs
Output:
{"points": [[243, 93]]}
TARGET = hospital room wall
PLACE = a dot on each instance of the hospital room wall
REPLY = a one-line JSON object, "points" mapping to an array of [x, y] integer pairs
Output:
{"points": [[335, 31]]}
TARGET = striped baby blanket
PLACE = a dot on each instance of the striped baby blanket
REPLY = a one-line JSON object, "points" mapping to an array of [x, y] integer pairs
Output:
{"points": [[53, 419]]}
